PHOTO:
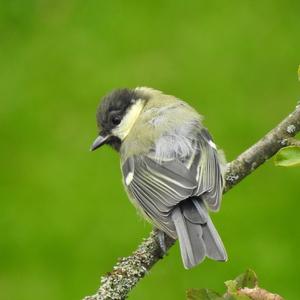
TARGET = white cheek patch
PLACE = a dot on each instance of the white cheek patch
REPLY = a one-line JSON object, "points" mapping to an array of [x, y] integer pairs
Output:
{"points": [[129, 119], [129, 178], [212, 144]]}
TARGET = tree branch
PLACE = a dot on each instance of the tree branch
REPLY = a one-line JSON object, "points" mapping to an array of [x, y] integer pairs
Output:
{"points": [[258, 293], [129, 270]]}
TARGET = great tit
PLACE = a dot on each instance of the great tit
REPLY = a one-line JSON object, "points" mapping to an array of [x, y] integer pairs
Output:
{"points": [[172, 170]]}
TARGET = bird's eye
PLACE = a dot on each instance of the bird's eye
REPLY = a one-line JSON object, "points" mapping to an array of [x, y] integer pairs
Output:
{"points": [[116, 120]]}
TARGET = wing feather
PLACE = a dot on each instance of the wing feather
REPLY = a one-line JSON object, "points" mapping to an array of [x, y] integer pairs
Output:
{"points": [[158, 184]]}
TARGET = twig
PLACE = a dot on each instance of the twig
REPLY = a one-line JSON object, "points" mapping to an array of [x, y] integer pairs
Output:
{"points": [[279, 137], [129, 270], [293, 142], [258, 293]]}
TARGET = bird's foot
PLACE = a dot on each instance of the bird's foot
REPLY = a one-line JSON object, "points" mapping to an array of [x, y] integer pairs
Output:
{"points": [[161, 238]]}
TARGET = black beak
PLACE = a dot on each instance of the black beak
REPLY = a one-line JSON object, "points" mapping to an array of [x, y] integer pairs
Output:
{"points": [[99, 141]]}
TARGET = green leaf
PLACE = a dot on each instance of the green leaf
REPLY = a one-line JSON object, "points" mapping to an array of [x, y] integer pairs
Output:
{"points": [[247, 279], [202, 294], [235, 297], [299, 73], [288, 157], [231, 286]]}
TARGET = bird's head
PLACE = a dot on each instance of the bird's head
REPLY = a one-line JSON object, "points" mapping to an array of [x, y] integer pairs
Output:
{"points": [[116, 115]]}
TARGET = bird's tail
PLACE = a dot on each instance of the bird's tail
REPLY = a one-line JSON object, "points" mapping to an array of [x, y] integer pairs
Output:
{"points": [[196, 233]]}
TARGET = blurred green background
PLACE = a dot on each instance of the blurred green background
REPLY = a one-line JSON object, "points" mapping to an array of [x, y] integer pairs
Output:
{"points": [[64, 217]]}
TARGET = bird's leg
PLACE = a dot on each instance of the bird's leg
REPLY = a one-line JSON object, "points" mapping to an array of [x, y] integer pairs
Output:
{"points": [[161, 238]]}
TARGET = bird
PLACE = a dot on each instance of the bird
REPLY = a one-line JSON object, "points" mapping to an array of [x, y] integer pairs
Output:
{"points": [[172, 170]]}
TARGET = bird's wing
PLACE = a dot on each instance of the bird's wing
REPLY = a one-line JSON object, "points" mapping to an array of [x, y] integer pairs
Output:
{"points": [[158, 185], [209, 172]]}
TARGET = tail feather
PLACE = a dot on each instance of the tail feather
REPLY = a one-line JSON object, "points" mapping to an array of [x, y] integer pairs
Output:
{"points": [[196, 233], [191, 244], [213, 243]]}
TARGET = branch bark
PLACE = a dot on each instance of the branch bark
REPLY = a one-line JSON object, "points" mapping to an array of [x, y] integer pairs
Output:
{"points": [[129, 270], [258, 293]]}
